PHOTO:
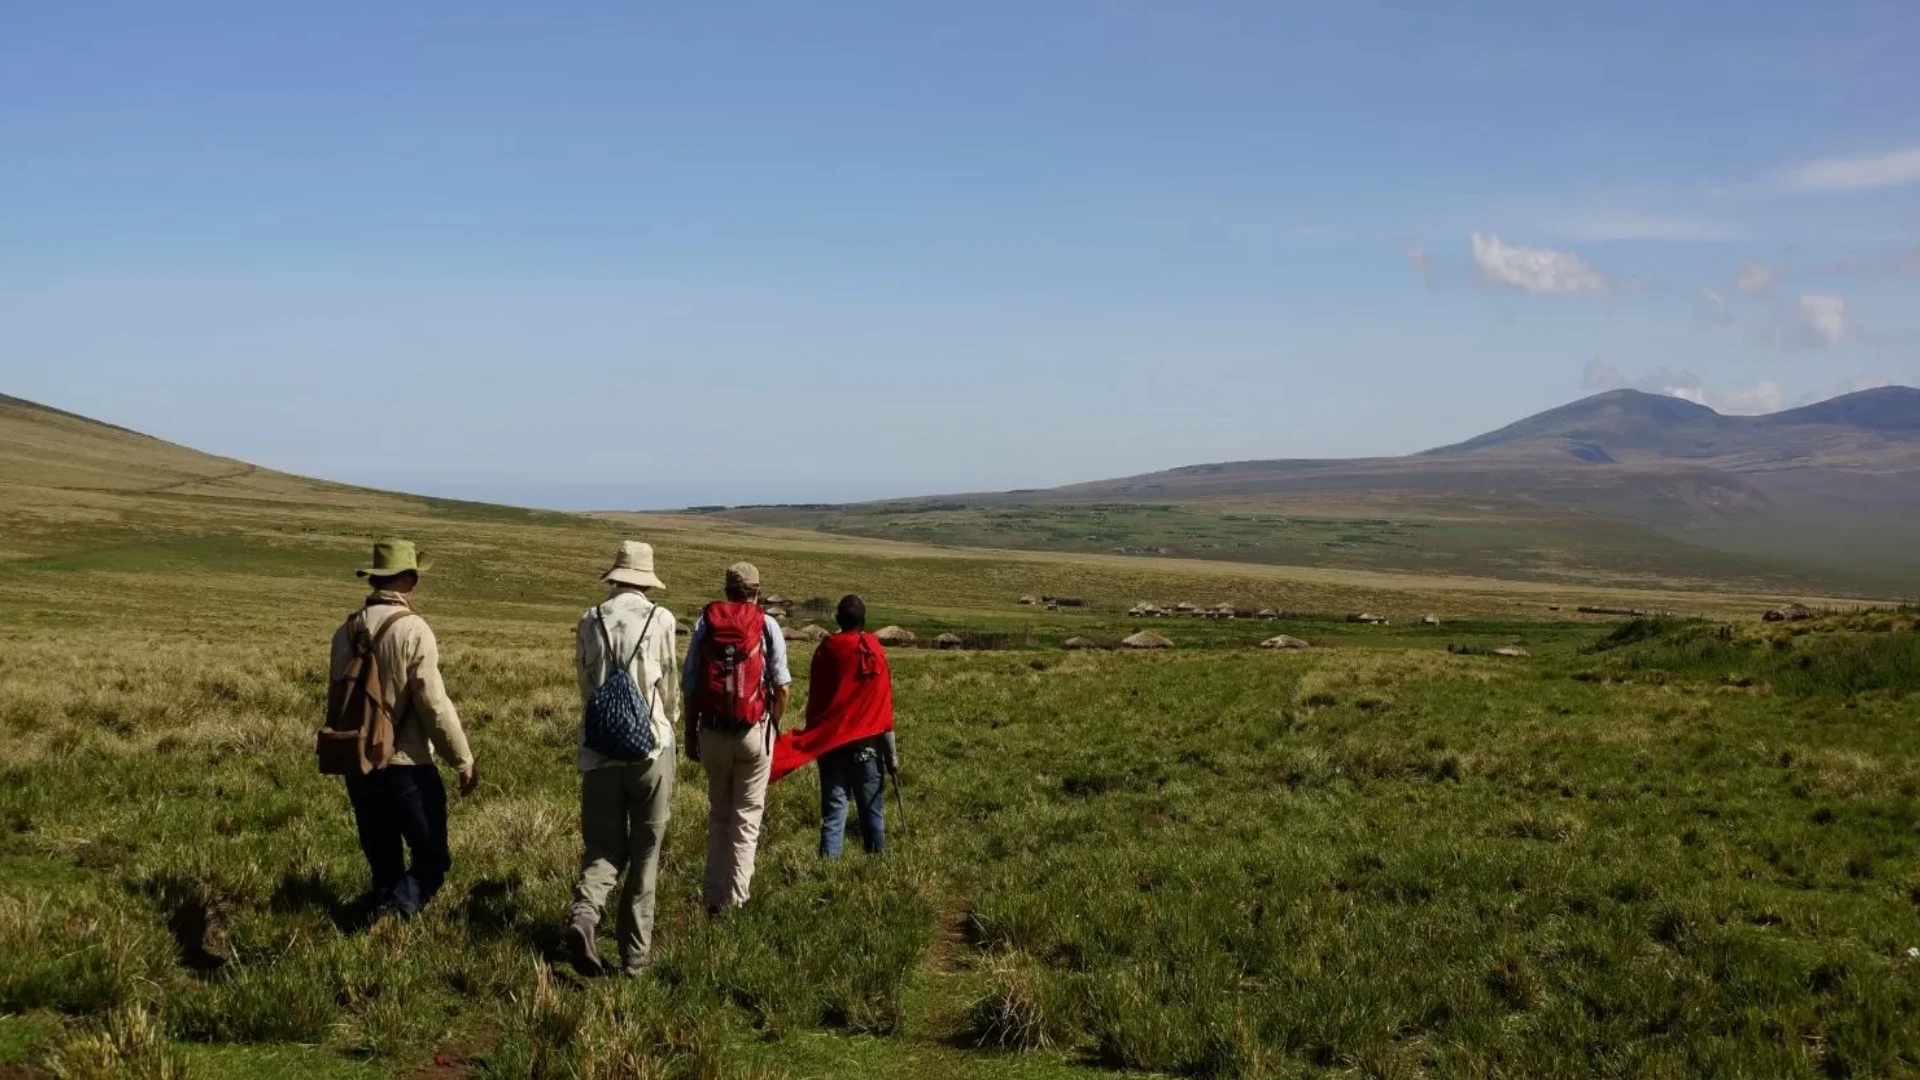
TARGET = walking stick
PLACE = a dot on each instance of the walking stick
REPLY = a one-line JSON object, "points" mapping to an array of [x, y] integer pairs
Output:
{"points": [[899, 800]]}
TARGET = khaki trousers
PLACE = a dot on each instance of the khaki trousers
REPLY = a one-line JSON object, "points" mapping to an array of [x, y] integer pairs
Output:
{"points": [[623, 816], [738, 766]]}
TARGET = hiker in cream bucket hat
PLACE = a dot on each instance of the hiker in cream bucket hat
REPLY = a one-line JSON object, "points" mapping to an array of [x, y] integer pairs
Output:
{"points": [[626, 790], [633, 565]]}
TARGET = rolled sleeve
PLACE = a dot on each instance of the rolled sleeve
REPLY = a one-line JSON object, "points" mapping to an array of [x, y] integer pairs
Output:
{"points": [[776, 644], [690, 673], [670, 672], [433, 707]]}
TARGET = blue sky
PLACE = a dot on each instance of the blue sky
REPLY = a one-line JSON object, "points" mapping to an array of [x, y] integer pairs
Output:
{"points": [[651, 255]]}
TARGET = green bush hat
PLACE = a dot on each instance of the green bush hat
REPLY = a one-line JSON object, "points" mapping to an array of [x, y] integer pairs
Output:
{"points": [[393, 556]]}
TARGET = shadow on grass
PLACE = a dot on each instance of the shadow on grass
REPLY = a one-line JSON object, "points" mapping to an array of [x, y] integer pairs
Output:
{"points": [[314, 890]]}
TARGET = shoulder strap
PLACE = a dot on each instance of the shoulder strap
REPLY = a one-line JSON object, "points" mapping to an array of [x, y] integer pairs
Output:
{"points": [[388, 625], [606, 639], [644, 627]]}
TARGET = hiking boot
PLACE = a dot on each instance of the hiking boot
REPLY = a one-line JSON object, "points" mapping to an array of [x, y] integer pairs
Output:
{"points": [[582, 948]]}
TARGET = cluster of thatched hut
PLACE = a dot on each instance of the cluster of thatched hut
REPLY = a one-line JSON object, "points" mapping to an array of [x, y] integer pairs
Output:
{"points": [[1147, 639], [1144, 639], [1054, 603], [1791, 613], [1147, 610]]}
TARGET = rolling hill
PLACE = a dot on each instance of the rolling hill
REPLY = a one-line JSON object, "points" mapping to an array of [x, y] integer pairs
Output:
{"points": [[1642, 456], [1620, 490], [1620, 483], [68, 482]]}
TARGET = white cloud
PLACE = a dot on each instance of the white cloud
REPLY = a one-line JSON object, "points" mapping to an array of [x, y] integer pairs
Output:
{"points": [[1540, 271], [1634, 225], [1756, 277], [1712, 309], [1681, 384], [1896, 169], [1762, 397], [1823, 321], [1600, 375], [1876, 264]]}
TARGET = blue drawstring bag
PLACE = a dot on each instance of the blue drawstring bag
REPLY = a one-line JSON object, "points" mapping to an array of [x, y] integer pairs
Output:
{"points": [[618, 721]]}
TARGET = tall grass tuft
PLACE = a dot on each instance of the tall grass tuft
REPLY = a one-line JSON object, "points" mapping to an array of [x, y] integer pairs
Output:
{"points": [[129, 1044]]}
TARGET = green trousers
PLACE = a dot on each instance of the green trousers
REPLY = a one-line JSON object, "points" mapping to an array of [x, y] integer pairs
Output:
{"points": [[623, 817]]}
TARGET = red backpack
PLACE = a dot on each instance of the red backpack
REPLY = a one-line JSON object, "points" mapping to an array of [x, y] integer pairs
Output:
{"points": [[733, 664]]}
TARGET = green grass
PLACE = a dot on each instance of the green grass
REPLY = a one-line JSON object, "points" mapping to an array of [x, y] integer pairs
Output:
{"points": [[1844, 657], [1500, 539], [1671, 853]]}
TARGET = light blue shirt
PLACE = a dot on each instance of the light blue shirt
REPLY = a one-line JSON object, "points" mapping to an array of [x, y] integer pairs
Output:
{"points": [[774, 642]]}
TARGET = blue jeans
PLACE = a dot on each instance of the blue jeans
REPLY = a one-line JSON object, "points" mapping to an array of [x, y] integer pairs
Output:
{"points": [[853, 770], [395, 806]]}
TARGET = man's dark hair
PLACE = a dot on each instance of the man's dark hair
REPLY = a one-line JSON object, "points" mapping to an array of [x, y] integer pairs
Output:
{"points": [[385, 584], [852, 613]]}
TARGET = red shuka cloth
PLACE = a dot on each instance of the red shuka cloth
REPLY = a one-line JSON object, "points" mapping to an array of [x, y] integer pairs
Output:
{"points": [[849, 697]]}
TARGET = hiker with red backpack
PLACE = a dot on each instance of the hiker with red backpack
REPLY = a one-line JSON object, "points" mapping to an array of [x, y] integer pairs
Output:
{"points": [[736, 677], [388, 715], [630, 691]]}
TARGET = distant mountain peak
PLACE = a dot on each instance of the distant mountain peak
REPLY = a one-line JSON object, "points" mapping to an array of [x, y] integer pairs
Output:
{"points": [[1883, 408], [1609, 422]]}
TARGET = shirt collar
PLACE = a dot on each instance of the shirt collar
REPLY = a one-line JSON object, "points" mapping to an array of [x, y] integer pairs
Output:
{"points": [[388, 598]]}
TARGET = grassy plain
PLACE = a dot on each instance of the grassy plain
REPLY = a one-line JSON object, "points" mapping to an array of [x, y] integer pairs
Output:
{"points": [[1491, 536], [1668, 852]]}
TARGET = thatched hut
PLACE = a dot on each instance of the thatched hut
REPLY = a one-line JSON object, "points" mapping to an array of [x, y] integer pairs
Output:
{"points": [[1079, 643], [1369, 618], [1430, 620], [1028, 601], [811, 632], [894, 635], [1511, 650], [775, 600], [1283, 641], [776, 611], [1266, 613], [1146, 639], [949, 640]]}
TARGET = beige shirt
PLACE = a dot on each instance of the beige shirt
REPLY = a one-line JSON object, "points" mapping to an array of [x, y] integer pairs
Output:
{"points": [[424, 719], [650, 664]]}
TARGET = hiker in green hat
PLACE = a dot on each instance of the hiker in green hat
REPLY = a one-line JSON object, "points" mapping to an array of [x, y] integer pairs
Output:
{"points": [[399, 801]]}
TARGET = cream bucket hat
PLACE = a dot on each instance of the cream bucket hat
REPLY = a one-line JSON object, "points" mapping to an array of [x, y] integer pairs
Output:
{"points": [[633, 565]]}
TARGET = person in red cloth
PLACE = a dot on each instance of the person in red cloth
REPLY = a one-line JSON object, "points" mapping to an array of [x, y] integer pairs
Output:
{"points": [[849, 730]]}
